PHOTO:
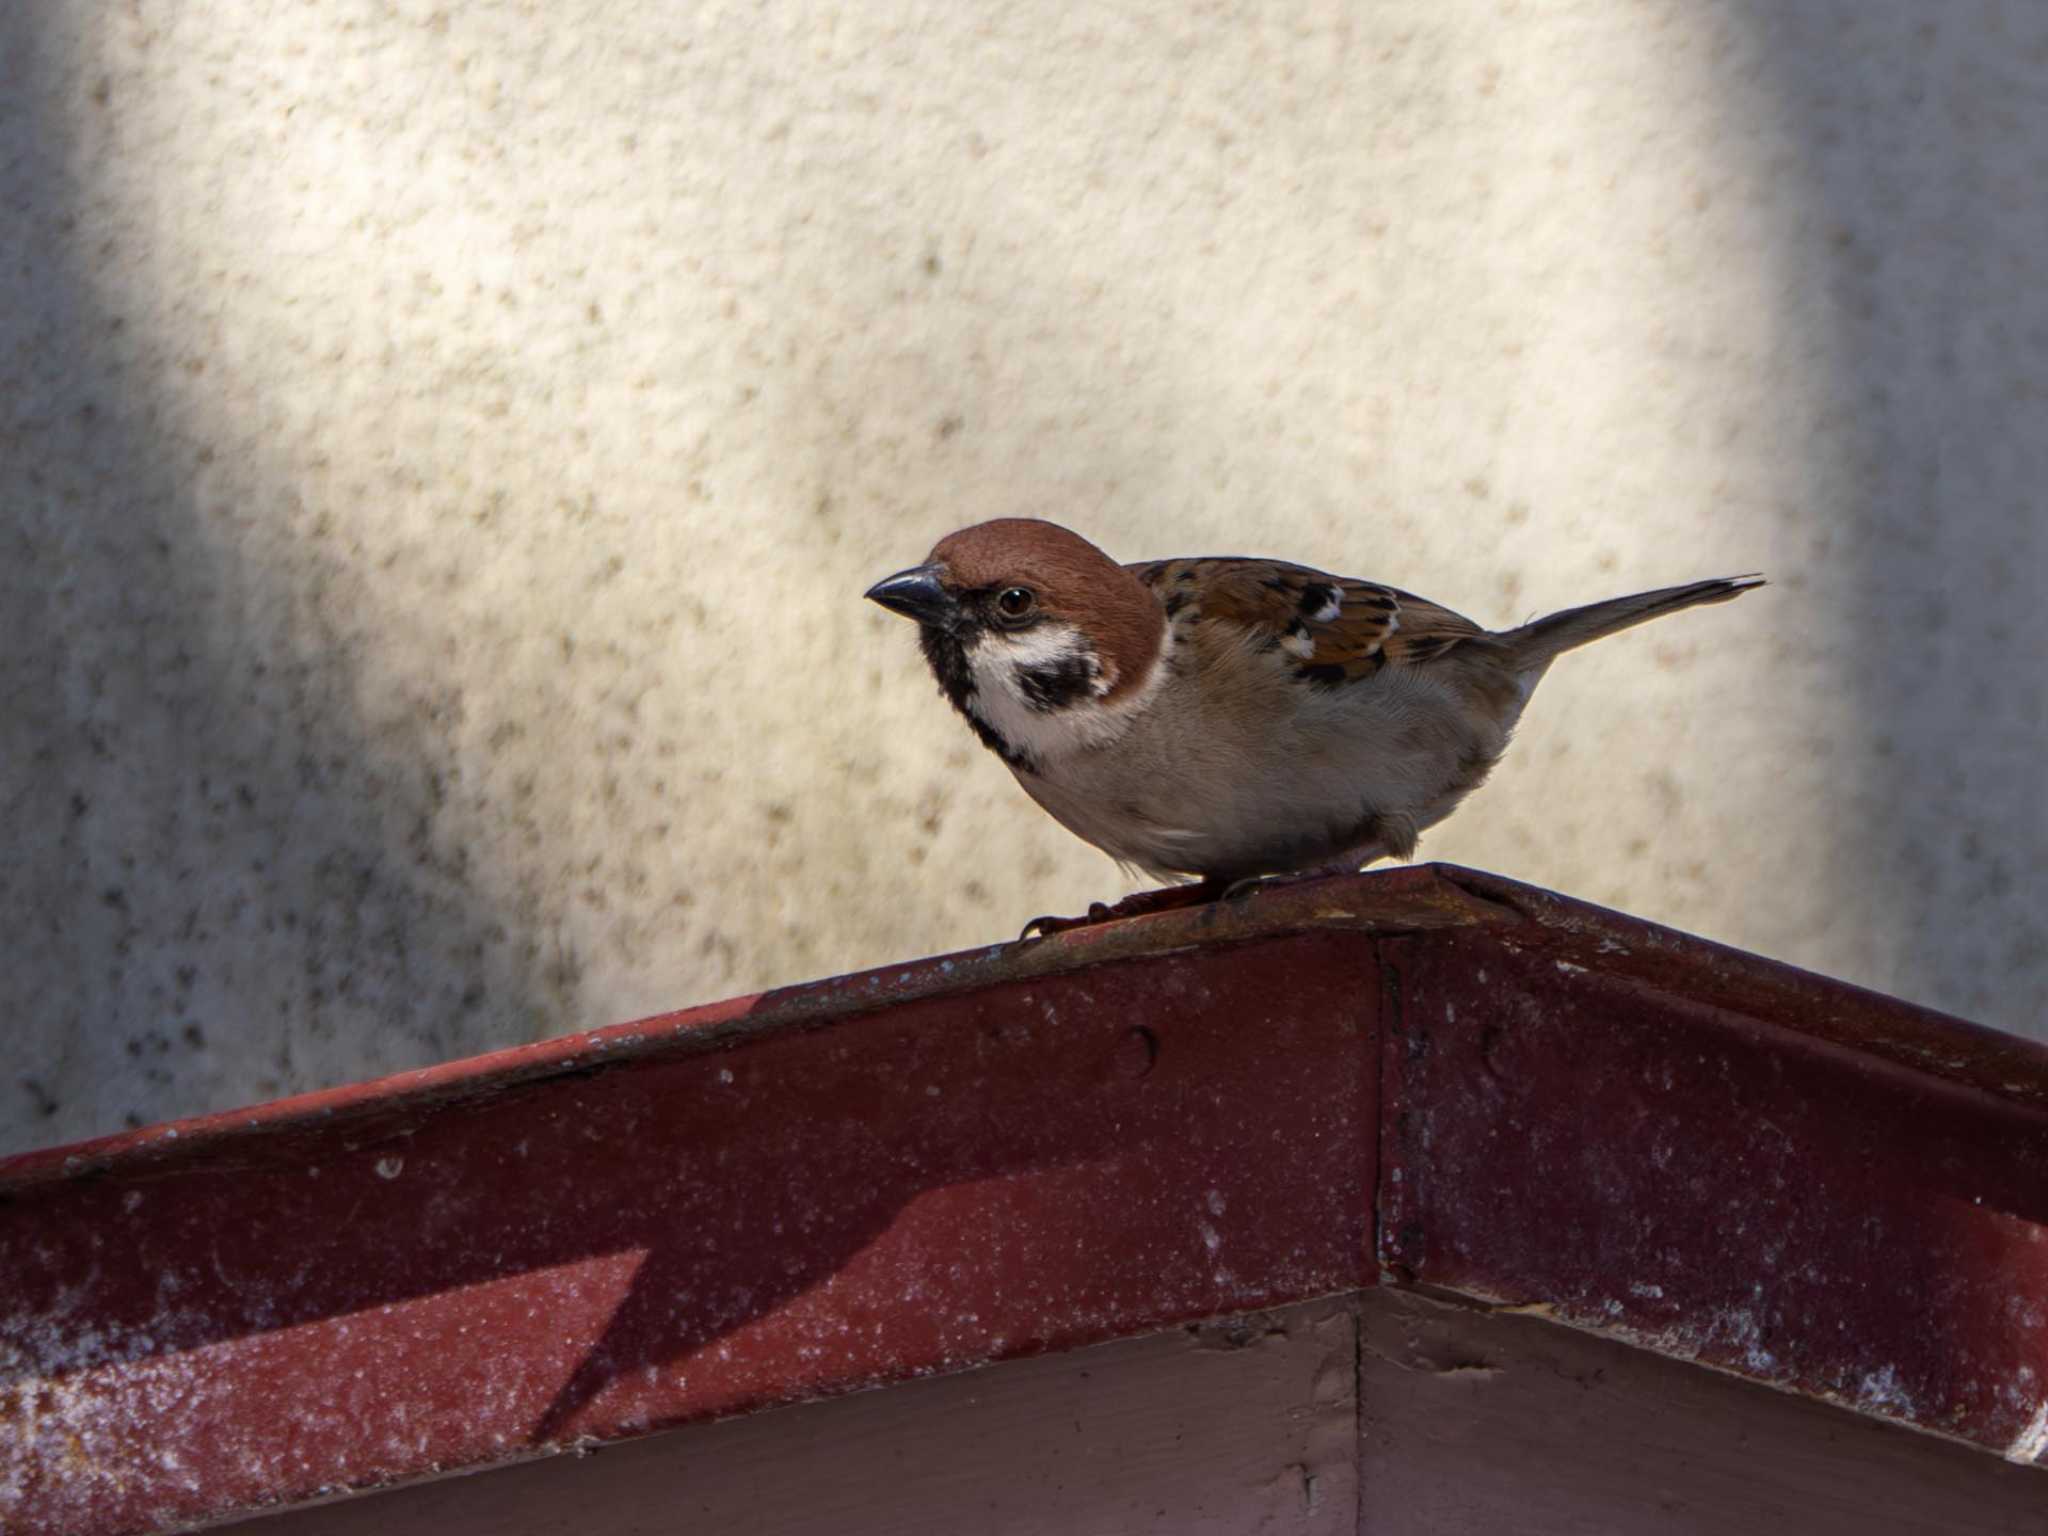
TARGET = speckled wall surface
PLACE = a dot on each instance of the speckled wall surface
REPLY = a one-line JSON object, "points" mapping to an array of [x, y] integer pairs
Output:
{"points": [[442, 449]]}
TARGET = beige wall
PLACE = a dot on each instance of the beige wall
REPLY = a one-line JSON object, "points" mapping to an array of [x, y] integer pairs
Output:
{"points": [[441, 451]]}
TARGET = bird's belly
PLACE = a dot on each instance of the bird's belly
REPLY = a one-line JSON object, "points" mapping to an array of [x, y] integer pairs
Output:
{"points": [[1165, 827], [1361, 772]]}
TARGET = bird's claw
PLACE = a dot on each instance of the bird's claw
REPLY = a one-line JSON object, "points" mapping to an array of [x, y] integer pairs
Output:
{"points": [[1237, 890], [1135, 905], [1046, 927]]}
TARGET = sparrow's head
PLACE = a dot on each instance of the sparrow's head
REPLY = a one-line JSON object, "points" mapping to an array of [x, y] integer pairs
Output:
{"points": [[1041, 640]]}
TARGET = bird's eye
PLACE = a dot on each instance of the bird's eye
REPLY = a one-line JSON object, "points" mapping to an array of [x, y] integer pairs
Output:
{"points": [[1015, 602]]}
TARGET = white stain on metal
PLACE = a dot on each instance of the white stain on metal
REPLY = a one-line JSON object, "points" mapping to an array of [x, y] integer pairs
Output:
{"points": [[1882, 1389], [2030, 1442]]}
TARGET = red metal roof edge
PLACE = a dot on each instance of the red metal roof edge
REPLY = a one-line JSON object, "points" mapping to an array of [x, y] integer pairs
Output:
{"points": [[1391, 901], [1821, 1189], [1028, 1147], [890, 1177], [1803, 1002]]}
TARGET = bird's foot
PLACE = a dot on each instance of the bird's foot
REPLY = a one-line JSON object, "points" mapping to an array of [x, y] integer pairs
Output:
{"points": [[1167, 899], [1251, 885], [1237, 890]]}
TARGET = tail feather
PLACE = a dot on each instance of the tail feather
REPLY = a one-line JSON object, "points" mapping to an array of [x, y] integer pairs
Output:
{"points": [[1539, 643]]}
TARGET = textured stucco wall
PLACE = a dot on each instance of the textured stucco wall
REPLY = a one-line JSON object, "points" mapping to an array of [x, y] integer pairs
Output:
{"points": [[441, 451]]}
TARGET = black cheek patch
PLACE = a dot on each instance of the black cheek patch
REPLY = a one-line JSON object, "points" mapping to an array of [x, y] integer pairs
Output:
{"points": [[947, 655], [1315, 597], [1058, 684]]}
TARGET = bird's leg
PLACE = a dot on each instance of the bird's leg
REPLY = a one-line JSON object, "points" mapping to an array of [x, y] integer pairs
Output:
{"points": [[1353, 859], [1237, 890], [1348, 862], [1173, 897], [1167, 899]]}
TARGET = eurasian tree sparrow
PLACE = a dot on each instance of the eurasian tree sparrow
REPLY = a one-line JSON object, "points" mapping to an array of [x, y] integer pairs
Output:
{"points": [[1224, 717]]}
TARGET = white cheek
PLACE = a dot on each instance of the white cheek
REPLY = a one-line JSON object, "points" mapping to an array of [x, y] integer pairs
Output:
{"points": [[999, 698], [1042, 646], [1047, 735]]}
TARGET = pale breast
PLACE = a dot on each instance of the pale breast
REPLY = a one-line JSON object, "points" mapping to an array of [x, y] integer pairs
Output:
{"points": [[1237, 769]]}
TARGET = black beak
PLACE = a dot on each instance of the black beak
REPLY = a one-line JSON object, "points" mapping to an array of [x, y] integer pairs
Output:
{"points": [[917, 594]]}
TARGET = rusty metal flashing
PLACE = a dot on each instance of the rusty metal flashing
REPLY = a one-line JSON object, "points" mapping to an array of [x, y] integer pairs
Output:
{"points": [[1428, 1076]]}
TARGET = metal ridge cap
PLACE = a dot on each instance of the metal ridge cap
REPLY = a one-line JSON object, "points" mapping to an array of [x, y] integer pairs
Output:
{"points": [[1403, 900], [1786, 998]]}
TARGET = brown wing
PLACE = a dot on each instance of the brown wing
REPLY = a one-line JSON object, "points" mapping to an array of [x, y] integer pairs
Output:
{"points": [[1335, 630]]}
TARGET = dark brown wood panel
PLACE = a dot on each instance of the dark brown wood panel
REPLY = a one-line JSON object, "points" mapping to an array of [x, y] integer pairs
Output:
{"points": [[1467, 1422], [1244, 1426], [1478, 1422]]}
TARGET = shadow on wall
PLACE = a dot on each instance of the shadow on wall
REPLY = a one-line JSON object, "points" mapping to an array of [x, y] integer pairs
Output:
{"points": [[1913, 267], [217, 882]]}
